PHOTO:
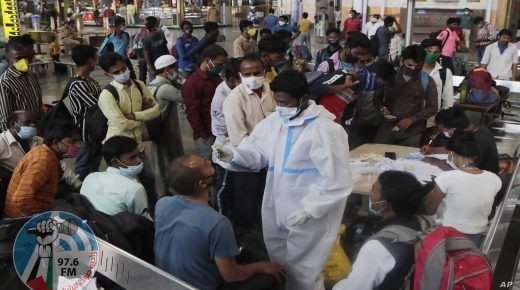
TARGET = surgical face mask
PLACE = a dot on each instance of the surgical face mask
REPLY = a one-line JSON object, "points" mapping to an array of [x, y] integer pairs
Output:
{"points": [[72, 151], [122, 77], [431, 57], [172, 76], [374, 20], [480, 25], [281, 23], [131, 170], [122, 28], [451, 163], [253, 82], [286, 112], [215, 70], [188, 31], [26, 132], [372, 209], [446, 133], [22, 65], [466, 12], [251, 32]]}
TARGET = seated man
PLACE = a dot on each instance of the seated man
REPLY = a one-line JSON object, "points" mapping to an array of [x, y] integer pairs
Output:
{"points": [[192, 241], [453, 119], [35, 179], [118, 189], [17, 140], [382, 263]]}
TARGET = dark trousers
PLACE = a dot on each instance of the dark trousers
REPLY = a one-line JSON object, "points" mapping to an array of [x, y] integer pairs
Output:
{"points": [[257, 282], [147, 178], [447, 62], [131, 68], [247, 191], [480, 52], [143, 69], [88, 160]]}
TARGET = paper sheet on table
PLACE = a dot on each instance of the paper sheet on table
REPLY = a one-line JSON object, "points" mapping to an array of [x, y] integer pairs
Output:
{"points": [[420, 156], [358, 167], [423, 171]]}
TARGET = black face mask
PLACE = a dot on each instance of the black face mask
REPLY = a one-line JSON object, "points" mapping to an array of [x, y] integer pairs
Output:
{"points": [[351, 59], [410, 72]]}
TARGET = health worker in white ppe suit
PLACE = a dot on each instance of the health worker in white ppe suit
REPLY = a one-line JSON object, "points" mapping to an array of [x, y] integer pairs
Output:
{"points": [[308, 179]]}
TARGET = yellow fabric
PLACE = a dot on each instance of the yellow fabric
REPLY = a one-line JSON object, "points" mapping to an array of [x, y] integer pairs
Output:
{"points": [[54, 48], [270, 75], [305, 25], [118, 124], [130, 9]]}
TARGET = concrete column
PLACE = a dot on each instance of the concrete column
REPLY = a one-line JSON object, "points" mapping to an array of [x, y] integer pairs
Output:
{"points": [[409, 19]]}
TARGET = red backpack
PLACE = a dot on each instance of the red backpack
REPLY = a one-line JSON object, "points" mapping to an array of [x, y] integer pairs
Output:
{"points": [[445, 259]]}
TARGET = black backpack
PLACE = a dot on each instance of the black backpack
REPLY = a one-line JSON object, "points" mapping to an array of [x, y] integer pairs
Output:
{"points": [[96, 123], [58, 112]]}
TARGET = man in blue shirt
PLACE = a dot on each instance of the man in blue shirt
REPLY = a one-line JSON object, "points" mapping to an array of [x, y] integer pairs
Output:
{"points": [[182, 46], [333, 36], [271, 20], [283, 24], [120, 40], [192, 241], [210, 38], [118, 189]]}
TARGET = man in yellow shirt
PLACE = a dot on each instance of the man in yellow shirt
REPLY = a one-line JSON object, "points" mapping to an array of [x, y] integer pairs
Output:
{"points": [[130, 13], [304, 25]]}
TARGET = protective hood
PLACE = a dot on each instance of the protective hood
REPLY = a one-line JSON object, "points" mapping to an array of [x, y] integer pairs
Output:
{"points": [[312, 111]]}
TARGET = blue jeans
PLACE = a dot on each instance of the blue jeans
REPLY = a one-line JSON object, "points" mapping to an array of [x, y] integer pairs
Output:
{"points": [[476, 238], [480, 52], [88, 160], [147, 178]]}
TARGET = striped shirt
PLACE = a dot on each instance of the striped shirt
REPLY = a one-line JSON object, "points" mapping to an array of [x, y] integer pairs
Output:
{"points": [[83, 94], [488, 32], [19, 91]]}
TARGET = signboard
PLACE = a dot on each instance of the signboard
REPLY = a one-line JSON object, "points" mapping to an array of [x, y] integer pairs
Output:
{"points": [[10, 18]]}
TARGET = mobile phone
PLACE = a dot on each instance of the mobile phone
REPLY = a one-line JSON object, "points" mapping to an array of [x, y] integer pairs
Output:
{"points": [[390, 155]]}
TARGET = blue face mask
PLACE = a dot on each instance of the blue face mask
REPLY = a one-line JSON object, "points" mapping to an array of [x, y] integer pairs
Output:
{"points": [[173, 77], [26, 132], [372, 209], [131, 170]]}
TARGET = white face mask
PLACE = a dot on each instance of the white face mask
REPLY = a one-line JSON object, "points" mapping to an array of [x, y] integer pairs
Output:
{"points": [[374, 20], [281, 23], [122, 77], [252, 82], [132, 170], [286, 112], [446, 134]]}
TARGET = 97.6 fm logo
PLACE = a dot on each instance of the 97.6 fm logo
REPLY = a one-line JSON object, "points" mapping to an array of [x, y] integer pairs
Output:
{"points": [[56, 250]]}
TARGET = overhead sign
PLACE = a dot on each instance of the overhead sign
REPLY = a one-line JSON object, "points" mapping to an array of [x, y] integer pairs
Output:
{"points": [[10, 18]]}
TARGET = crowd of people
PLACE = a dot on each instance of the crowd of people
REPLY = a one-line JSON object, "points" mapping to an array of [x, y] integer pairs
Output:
{"points": [[272, 144]]}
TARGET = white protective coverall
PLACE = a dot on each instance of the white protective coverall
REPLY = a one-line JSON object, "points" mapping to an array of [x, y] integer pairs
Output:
{"points": [[308, 168]]}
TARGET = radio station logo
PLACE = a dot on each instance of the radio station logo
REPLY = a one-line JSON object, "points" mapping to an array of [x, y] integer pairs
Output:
{"points": [[56, 250]]}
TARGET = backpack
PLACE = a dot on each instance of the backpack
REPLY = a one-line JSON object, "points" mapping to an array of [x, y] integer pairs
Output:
{"points": [[58, 112], [444, 258], [96, 123], [154, 127]]}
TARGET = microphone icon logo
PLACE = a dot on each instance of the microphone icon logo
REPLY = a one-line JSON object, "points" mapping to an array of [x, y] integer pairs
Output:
{"points": [[55, 250]]}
